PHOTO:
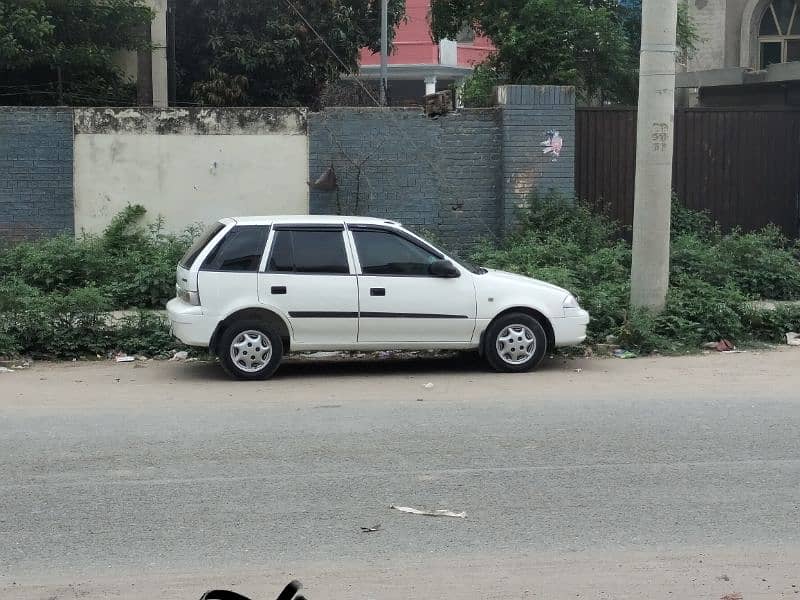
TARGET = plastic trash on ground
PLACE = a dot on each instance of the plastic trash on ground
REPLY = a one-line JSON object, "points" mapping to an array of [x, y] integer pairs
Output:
{"points": [[430, 513]]}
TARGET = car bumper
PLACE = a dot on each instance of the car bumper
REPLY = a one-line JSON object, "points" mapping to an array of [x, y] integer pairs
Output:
{"points": [[188, 324], [571, 329]]}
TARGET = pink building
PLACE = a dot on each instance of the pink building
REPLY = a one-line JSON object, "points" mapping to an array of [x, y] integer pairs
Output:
{"points": [[418, 66]]}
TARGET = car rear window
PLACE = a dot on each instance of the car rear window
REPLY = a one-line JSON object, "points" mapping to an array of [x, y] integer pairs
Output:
{"points": [[308, 251], [240, 250], [191, 254]]}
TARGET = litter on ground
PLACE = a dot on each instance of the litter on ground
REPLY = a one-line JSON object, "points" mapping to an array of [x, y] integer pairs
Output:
{"points": [[430, 513], [793, 339], [724, 346]]}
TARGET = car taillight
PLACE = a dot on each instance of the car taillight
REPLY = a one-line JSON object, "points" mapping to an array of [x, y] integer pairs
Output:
{"points": [[192, 298]]}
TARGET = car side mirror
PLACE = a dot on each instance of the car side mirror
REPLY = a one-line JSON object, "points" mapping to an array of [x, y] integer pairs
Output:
{"points": [[443, 268]]}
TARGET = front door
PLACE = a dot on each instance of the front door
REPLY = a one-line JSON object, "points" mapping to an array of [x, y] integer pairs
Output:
{"points": [[308, 278], [399, 301]]}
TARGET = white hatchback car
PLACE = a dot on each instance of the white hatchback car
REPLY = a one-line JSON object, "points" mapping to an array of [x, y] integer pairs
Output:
{"points": [[253, 288]]}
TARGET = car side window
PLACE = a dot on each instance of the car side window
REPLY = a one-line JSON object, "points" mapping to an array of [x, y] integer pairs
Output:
{"points": [[240, 250], [385, 253], [308, 251]]}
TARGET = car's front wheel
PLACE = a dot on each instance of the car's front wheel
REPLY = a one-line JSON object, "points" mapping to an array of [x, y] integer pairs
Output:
{"points": [[514, 343], [250, 349]]}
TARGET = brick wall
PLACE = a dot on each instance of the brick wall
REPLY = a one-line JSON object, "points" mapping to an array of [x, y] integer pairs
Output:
{"points": [[460, 177], [35, 172], [528, 113], [469, 176], [434, 175]]}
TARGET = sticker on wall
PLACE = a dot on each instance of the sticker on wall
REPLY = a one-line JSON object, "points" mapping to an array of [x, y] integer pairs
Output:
{"points": [[553, 144]]}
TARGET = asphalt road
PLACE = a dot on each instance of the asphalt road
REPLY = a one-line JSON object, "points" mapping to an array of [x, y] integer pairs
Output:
{"points": [[644, 478]]}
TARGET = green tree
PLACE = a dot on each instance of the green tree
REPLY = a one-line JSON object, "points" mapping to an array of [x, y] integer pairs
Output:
{"points": [[252, 52], [54, 52], [625, 85], [591, 44]]}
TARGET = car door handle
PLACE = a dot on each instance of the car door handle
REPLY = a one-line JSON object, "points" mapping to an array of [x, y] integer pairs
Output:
{"points": [[278, 289], [377, 291]]}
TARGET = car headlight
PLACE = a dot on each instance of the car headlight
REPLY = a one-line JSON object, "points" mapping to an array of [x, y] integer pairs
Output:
{"points": [[571, 302]]}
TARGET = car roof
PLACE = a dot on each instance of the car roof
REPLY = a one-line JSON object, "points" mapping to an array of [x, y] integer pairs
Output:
{"points": [[310, 219]]}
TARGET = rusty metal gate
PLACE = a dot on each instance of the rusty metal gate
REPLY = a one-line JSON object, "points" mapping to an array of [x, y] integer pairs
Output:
{"points": [[741, 165]]}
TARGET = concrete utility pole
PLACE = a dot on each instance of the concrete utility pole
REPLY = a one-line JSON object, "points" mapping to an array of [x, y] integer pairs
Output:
{"points": [[656, 126], [384, 47]]}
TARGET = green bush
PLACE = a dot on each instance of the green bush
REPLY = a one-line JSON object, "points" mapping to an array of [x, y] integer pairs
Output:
{"points": [[144, 333], [133, 265], [77, 324], [479, 87], [713, 275], [55, 294], [772, 325]]}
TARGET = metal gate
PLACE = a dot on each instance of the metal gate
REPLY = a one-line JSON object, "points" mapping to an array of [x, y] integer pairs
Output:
{"points": [[741, 165]]}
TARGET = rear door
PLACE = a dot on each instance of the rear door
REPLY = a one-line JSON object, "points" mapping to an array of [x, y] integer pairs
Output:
{"points": [[309, 277], [398, 298]]}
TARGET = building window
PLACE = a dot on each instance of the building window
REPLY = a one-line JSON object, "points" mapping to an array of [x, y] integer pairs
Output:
{"points": [[779, 33]]}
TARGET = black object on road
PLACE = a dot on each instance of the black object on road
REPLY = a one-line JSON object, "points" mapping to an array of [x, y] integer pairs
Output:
{"points": [[288, 593]]}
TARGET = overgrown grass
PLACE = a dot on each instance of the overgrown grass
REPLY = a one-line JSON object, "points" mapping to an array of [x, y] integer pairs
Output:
{"points": [[130, 264], [55, 294], [713, 276]]}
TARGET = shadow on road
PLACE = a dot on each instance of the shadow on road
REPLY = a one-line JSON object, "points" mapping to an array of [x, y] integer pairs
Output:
{"points": [[459, 363]]}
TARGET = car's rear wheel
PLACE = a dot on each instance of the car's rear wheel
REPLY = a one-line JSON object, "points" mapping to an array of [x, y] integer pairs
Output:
{"points": [[515, 343], [250, 349]]}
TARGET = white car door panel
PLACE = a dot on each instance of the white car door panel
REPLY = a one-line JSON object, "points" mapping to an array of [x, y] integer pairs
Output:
{"points": [[399, 301], [416, 309], [308, 275]]}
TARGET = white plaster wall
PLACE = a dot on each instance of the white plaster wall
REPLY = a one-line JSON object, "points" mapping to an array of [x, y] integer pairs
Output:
{"points": [[188, 178], [158, 37], [709, 18], [128, 60]]}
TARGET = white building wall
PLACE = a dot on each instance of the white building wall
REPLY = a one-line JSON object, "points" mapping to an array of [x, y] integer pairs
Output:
{"points": [[127, 60], [158, 37], [709, 17], [188, 166]]}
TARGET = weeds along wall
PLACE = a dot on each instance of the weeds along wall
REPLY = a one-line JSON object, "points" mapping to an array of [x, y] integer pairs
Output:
{"points": [[459, 177]]}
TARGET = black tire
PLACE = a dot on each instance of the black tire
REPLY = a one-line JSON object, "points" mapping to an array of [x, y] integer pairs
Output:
{"points": [[238, 369], [535, 346]]}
